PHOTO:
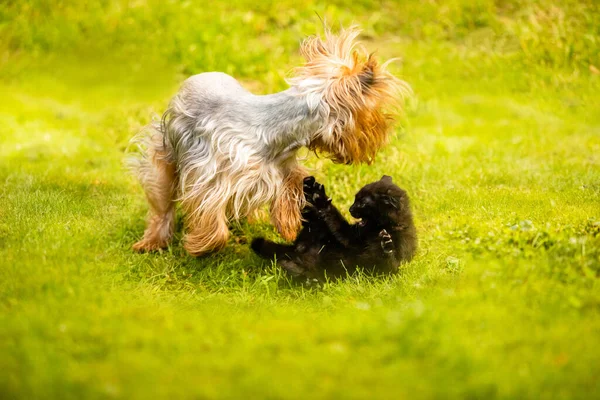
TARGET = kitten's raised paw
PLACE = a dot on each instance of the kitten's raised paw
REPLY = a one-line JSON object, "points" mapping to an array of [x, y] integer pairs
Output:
{"points": [[387, 245], [314, 193], [308, 182], [308, 187]]}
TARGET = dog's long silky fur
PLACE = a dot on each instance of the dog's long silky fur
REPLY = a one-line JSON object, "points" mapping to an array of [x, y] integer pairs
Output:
{"points": [[224, 152]]}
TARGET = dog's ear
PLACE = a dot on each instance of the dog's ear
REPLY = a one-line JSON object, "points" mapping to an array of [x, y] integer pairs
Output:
{"points": [[366, 76], [313, 48], [386, 179]]}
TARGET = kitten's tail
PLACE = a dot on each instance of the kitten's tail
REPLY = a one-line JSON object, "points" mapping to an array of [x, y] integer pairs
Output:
{"points": [[269, 250]]}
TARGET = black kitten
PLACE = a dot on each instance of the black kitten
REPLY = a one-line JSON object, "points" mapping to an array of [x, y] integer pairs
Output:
{"points": [[329, 246]]}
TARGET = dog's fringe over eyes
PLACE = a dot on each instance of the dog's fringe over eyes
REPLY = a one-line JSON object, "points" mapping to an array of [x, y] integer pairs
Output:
{"points": [[360, 95], [224, 152]]}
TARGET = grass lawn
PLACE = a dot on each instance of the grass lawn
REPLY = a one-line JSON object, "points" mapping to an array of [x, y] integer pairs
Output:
{"points": [[499, 150]]}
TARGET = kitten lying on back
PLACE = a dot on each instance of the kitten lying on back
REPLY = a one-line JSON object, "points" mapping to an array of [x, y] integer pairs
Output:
{"points": [[328, 246]]}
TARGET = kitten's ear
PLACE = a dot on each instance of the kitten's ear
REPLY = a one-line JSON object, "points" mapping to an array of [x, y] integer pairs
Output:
{"points": [[386, 179], [390, 200]]}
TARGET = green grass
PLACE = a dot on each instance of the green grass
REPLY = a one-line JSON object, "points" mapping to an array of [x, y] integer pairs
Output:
{"points": [[500, 153]]}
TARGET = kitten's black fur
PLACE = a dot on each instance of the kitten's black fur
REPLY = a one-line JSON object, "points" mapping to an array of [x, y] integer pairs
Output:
{"points": [[328, 246]]}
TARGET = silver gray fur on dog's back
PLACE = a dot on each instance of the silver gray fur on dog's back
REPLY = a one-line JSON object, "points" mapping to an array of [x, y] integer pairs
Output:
{"points": [[215, 128]]}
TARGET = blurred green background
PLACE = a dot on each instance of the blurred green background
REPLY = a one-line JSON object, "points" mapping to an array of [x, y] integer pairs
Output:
{"points": [[499, 150]]}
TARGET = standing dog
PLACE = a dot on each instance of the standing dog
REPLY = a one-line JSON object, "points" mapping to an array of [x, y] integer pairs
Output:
{"points": [[223, 152]]}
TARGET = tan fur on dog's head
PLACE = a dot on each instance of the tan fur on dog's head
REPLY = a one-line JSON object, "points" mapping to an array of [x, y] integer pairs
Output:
{"points": [[354, 90]]}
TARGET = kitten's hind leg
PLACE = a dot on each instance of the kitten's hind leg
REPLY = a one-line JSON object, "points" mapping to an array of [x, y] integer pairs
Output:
{"points": [[293, 268]]}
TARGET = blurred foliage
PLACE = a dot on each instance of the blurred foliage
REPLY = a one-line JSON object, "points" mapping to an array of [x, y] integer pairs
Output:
{"points": [[545, 33]]}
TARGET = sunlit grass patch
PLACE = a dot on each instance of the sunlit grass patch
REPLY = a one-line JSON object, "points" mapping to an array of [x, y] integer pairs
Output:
{"points": [[499, 151]]}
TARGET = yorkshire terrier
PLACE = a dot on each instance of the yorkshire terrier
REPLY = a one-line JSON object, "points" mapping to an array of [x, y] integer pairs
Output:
{"points": [[223, 152]]}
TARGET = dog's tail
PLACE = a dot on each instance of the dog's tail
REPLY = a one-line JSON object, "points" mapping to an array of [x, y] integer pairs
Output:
{"points": [[143, 150]]}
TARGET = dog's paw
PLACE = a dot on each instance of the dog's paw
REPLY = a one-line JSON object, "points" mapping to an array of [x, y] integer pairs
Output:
{"points": [[147, 246], [387, 245]]}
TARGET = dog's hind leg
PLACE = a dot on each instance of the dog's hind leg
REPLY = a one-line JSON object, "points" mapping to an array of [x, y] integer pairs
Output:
{"points": [[285, 209], [157, 176]]}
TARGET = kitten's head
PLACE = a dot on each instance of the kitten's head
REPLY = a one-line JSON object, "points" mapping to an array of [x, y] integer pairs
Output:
{"points": [[382, 202]]}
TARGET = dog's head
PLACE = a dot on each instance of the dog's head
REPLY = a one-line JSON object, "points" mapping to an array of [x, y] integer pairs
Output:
{"points": [[354, 94]]}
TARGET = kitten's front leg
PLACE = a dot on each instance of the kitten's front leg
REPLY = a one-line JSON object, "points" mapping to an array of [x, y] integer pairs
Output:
{"points": [[309, 213], [334, 220], [387, 245], [389, 251]]}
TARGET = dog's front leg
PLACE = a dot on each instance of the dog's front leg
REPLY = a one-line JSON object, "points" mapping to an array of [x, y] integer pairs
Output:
{"points": [[285, 209], [207, 228]]}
